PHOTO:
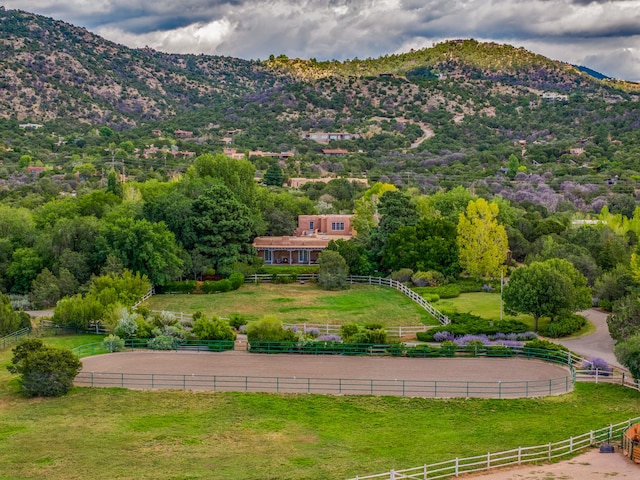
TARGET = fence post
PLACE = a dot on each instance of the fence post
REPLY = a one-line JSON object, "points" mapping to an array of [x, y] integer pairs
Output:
{"points": [[549, 451], [591, 442], [597, 374], [392, 475], [519, 455], [457, 465], [488, 460], [570, 444]]}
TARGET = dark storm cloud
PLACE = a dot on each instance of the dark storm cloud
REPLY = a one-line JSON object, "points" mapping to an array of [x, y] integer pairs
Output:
{"points": [[570, 30]]}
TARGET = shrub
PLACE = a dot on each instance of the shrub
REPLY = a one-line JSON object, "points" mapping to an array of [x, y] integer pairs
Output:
{"points": [[375, 336], [45, 371], [269, 329], [219, 286], [236, 320], [126, 326], [237, 280], [445, 291], [430, 278], [283, 279], [144, 328], [348, 330], [113, 343], [312, 332], [163, 342], [469, 324], [594, 364], [403, 275], [214, 329], [563, 327], [546, 345], [329, 338], [498, 351], [188, 286], [431, 297], [423, 351]]}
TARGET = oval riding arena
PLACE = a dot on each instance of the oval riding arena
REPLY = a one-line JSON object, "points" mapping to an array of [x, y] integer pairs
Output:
{"points": [[241, 371]]}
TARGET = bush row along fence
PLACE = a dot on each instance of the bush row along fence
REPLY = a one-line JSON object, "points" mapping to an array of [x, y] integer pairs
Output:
{"points": [[328, 328], [14, 337], [518, 456], [329, 386], [131, 344], [366, 280]]}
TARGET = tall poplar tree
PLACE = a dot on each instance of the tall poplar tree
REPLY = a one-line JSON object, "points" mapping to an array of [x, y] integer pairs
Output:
{"points": [[482, 241]]}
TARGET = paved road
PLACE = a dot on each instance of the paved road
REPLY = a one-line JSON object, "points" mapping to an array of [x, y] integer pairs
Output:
{"points": [[599, 344]]}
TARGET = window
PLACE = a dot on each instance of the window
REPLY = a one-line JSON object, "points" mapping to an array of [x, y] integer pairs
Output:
{"points": [[335, 226], [268, 256], [303, 256], [312, 224]]}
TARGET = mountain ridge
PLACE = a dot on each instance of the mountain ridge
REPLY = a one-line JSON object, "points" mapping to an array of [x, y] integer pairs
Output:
{"points": [[51, 70]]}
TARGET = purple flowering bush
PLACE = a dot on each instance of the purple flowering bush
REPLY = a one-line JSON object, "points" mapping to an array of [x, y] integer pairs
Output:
{"points": [[329, 338], [594, 363]]}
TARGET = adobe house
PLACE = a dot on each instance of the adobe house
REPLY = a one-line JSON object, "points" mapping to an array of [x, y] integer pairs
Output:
{"points": [[313, 235]]}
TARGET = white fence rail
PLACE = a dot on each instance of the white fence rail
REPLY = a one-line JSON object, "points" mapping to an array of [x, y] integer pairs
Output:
{"points": [[616, 377], [518, 456], [145, 297]]}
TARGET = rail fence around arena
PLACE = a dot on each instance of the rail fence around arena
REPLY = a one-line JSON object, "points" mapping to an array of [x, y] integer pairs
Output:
{"points": [[518, 456]]}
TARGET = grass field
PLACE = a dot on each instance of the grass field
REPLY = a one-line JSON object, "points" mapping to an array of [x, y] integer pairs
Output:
{"points": [[114, 433], [295, 303]]}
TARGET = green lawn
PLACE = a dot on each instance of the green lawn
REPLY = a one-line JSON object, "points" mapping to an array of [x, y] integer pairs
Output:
{"points": [[295, 303], [485, 305], [115, 433]]}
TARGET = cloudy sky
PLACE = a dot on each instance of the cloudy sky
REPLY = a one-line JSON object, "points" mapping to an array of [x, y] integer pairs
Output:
{"points": [[601, 34]]}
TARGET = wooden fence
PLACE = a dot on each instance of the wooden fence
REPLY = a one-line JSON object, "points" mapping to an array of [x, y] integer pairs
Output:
{"points": [[518, 456]]}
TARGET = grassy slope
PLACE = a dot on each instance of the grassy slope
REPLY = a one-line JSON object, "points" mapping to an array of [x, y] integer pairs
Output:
{"points": [[303, 303]]}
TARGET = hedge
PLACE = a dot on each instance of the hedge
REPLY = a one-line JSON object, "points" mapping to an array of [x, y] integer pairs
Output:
{"points": [[469, 324]]}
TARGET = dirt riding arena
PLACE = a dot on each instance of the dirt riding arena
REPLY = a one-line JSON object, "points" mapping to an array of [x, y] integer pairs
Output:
{"points": [[242, 371]]}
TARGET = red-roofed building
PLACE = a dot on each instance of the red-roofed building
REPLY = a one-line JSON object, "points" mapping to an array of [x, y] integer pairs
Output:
{"points": [[313, 234]]}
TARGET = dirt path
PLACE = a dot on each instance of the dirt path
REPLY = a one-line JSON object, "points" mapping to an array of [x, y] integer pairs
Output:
{"points": [[591, 465]]}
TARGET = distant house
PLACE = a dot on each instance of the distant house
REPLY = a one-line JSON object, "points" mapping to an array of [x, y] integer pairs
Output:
{"points": [[553, 97], [233, 153], [33, 126], [35, 171], [157, 133], [334, 152], [576, 151], [326, 137], [183, 133], [313, 235]]}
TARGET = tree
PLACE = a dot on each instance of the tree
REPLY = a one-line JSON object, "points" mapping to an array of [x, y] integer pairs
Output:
{"points": [[274, 175], [482, 242], [10, 321], [45, 291], [23, 269], [624, 321], [366, 208], [430, 245], [546, 289], [114, 185], [142, 246], [628, 354], [333, 271], [45, 371], [223, 227], [355, 254]]}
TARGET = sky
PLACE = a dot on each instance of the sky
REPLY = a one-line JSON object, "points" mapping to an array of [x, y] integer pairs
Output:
{"points": [[601, 34]]}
